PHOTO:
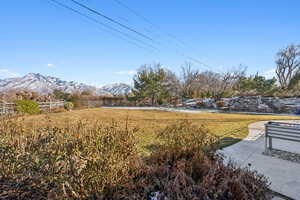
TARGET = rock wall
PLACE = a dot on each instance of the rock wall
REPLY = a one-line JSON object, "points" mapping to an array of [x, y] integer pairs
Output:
{"points": [[249, 104], [264, 104]]}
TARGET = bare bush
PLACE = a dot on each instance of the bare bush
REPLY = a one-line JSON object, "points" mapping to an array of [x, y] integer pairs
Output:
{"points": [[186, 167], [73, 162], [90, 160]]}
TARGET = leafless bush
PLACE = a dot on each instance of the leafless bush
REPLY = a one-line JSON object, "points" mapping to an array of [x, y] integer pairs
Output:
{"points": [[91, 160], [187, 167], [71, 162]]}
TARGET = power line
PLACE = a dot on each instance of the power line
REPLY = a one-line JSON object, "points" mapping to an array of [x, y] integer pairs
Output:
{"points": [[128, 28], [151, 23], [137, 14], [168, 34], [142, 17], [112, 20], [199, 62], [134, 12], [106, 26], [118, 31]]}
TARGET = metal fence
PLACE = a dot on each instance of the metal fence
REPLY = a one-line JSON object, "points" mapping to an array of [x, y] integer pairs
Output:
{"points": [[10, 108]]}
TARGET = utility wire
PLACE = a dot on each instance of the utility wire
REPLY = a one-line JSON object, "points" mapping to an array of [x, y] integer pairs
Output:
{"points": [[128, 28], [137, 14], [166, 33], [112, 20], [153, 24], [134, 12], [107, 27], [120, 32]]}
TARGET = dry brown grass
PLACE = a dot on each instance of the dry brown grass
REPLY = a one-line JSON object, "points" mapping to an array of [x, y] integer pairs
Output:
{"points": [[230, 127]]}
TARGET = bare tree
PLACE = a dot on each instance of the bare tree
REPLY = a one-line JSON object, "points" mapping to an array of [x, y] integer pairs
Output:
{"points": [[208, 83], [231, 78], [188, 78], [288, 64], [172, 85], [216, 85]]}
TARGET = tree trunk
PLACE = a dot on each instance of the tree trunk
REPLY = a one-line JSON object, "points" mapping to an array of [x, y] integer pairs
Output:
{"points": [[152, 100]]}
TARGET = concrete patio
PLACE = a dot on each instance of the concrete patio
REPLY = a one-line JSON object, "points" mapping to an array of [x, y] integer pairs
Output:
{"points": [[283, 175]]}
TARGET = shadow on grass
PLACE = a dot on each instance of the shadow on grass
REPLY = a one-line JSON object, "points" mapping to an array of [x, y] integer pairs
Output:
{"points": [[222, 143], [227, 141], [152, 147]]}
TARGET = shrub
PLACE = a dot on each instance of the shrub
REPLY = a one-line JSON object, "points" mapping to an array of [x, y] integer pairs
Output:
{"points": [[186, 167], [91, 160], [27, 107], [220, 103], [72, 162], [69, 106], [200, 104], [183, 138]]}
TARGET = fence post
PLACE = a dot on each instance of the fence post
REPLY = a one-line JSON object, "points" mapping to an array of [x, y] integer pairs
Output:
{"points": [[50, 105], [4, 108]]}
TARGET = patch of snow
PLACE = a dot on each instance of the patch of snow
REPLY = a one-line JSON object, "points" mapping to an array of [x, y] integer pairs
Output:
{"points": [[155, 196]]}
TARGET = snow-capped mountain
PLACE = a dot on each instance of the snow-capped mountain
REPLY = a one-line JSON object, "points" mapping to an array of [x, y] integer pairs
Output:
{"points": [[47, 84], [117, 89]]}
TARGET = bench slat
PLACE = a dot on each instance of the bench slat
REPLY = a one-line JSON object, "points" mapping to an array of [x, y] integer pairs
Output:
{"points": [[284, 135], [289, 123], [285, 139], [283, 131], [283, 127]]}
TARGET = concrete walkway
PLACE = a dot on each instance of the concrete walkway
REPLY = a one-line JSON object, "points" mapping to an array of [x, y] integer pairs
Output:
{"points": [[283, 175]]}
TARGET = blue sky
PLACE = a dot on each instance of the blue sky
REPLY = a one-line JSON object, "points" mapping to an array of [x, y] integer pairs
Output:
{"points": [[38, 36]]}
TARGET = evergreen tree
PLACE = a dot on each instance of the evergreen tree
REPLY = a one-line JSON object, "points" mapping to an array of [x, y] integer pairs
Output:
{"points": [[149, 83]]}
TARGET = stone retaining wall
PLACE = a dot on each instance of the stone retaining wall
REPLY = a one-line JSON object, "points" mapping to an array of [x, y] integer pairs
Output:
{"points": [[249, 104]]}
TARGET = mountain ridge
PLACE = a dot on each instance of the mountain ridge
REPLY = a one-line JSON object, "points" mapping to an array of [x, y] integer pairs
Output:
{"points": [[42, 84]]}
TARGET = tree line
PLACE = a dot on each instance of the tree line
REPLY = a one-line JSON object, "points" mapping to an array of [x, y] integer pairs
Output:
{"points": [[157, 85]]}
